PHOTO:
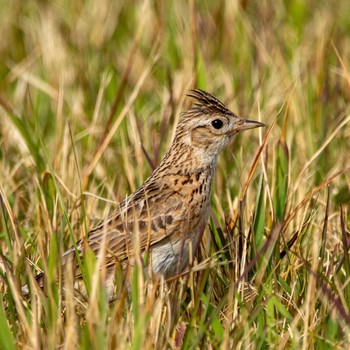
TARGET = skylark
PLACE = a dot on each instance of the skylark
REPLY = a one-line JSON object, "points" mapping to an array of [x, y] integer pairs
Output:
{"points": [[165, 218]]}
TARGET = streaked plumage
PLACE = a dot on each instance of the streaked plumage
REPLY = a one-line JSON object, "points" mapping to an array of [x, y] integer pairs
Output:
{"points": [[168, 213]]}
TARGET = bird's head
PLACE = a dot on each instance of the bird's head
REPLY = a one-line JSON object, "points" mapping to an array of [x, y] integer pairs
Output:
{"points": [[209, 125]]}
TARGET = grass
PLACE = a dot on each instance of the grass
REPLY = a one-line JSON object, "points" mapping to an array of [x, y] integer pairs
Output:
{"points": [[90, 96]]}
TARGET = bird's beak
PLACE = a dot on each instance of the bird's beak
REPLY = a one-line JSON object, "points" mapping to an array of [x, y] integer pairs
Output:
{"points": [[248, 124]]}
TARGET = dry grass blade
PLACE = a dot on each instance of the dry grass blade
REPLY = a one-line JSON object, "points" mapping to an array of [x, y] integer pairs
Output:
{"points": [[259, 151], [335, 301], [320, 150], [122, 84], [345, 70], [311, 193], [345, 241], [117, 123]]}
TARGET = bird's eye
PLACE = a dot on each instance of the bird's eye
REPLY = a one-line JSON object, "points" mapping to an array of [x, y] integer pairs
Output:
{"points": [[217, 123]]}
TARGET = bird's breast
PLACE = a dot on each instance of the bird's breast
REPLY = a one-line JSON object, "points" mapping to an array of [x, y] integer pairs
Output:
{"points": [[195, 191]]}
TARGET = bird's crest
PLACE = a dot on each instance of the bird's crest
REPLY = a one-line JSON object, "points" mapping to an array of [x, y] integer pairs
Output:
{"points": [[207, 103]]}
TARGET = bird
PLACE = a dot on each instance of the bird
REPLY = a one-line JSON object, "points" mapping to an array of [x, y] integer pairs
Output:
{"points": [[165, 218]]}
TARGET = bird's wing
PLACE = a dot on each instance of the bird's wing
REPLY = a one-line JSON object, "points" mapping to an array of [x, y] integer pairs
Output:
{"points": [[140, 221]]}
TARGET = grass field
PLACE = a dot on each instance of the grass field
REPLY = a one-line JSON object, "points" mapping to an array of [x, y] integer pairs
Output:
{"points": [[90, 95]]}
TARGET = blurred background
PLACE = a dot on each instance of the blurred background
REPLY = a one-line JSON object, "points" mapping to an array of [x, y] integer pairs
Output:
{"points": [[75, 65]]}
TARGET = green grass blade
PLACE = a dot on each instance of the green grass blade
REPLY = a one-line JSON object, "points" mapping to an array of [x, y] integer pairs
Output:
{"points": [[7, 340], [281, 179]]}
